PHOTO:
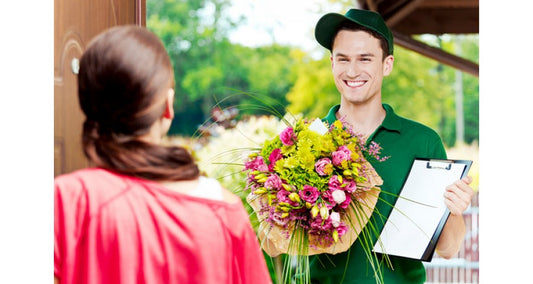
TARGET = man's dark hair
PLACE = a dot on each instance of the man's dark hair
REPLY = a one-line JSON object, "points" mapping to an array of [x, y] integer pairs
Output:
{"points": [[351, 26]]}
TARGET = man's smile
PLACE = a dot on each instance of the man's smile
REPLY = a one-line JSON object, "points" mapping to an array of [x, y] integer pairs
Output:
{"points": [[354, 84]]}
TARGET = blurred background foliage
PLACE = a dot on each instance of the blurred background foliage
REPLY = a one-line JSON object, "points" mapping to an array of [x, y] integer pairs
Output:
{"points": [[210, 70]]}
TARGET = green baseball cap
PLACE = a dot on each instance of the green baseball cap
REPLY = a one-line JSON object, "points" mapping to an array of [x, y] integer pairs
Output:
{"points": [[327, 26]]}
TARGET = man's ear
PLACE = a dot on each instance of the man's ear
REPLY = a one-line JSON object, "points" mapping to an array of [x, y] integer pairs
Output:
{"points": [[388, 63], [169, 108]]}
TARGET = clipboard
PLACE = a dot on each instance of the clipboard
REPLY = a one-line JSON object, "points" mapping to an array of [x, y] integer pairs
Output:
{"points": [[415, 224]]}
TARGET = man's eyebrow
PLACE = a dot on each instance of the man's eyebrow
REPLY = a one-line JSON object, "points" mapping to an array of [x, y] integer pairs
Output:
{"points": [[340, 54]]}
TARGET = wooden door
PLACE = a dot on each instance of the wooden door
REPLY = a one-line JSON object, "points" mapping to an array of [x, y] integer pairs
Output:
{"points": [[75, 23]]}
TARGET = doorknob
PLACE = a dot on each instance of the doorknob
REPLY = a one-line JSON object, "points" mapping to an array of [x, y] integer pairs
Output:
{"points": [[75, 66]]}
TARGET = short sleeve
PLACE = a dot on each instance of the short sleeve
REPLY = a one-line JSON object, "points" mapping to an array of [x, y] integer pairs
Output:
{"points": [[436, 149], [70, 208]]}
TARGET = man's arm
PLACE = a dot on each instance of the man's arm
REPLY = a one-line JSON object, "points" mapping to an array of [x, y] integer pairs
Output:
{"points": [[457, 198]]}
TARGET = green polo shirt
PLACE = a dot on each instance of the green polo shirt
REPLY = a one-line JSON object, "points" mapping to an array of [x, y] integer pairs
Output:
{"points": [[402, 140]]}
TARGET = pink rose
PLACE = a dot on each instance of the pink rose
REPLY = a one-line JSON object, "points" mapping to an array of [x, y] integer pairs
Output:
{"points": [[257, 164], [273, 158], [351, 186], [275, 218], [283, 196], [318, 224], [273, 182], [334, 183], [345, 149], [287, 136], [309, 194], [321, 167], [340, 156], [328, 197]]}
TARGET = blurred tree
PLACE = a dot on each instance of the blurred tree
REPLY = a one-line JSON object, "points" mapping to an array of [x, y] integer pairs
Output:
{"points": [[210, 69], [314, 91], [267, 78], [192, 31], [469, 49], [415, 91]]}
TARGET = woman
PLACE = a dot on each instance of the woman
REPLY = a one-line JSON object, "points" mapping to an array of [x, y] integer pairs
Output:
{"points": [[142, 213]]}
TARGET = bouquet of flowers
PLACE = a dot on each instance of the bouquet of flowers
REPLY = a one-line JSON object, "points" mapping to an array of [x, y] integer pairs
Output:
{"points": [[312, 188]]}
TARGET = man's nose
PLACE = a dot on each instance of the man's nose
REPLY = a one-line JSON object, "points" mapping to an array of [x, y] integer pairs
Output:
{"points": [[353, 69]]}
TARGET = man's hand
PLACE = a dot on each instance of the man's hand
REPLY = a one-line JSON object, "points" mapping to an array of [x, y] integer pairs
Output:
{"points": [[458, 196]]}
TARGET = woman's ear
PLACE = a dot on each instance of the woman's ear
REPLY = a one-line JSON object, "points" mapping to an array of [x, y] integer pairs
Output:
{"points": [[169, 108]]}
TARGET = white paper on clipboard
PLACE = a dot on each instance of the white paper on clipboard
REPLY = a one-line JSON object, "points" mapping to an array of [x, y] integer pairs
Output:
{"points": [[417, 219]]}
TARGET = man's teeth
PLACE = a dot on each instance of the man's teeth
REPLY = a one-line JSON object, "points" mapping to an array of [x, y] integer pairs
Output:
{"points": [[355, 83]]}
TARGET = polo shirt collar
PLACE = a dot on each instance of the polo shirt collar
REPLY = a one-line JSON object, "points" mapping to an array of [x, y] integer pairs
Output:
{"points": [[391, 122], [331, 117]]}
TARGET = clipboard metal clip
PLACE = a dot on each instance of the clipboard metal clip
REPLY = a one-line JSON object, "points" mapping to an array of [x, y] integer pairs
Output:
{"points": [[438, 165]]}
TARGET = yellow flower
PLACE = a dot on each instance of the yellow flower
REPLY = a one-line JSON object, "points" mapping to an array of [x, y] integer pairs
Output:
{"points": [[284, 209], [295, 197], [337, 124], [286, 187], [262, 180], [328, 169], [260, 176], [324, 212], [335, 236], [260, 191], [291, 162], [314, 211]]}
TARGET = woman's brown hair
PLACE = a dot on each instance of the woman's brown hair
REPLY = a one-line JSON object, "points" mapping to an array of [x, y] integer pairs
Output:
{"points": [[123, 82]]}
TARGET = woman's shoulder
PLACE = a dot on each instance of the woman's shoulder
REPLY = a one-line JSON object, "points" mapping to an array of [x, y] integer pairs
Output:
{"points": [[95, 185], [88, 177], [210, 188]]}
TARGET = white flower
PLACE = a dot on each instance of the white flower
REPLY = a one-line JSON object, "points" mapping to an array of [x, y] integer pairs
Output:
{"points": [[339, 196], [335, 219]]}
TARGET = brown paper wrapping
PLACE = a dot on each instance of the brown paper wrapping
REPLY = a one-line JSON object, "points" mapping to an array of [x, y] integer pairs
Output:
{"points": [[274, 238]]}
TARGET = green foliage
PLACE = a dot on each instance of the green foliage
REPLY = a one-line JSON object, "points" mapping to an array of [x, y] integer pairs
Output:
{"points": [[314, 91], [208, 68], [416, 95], [466, 46], [267, 74]]}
